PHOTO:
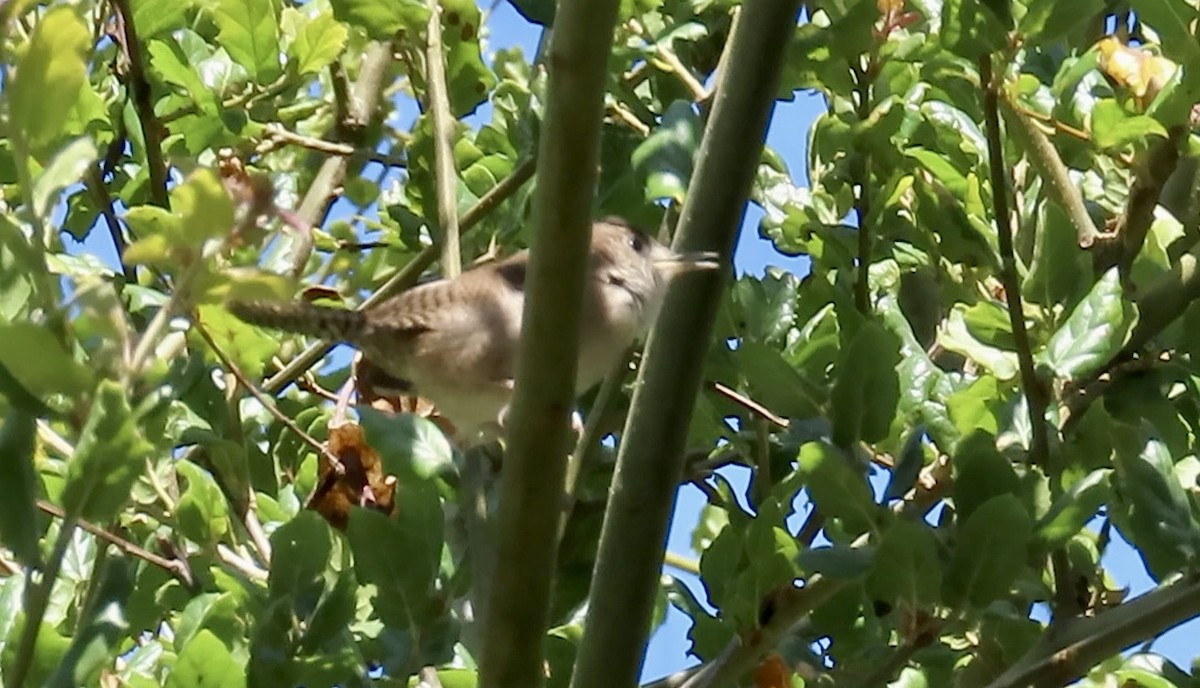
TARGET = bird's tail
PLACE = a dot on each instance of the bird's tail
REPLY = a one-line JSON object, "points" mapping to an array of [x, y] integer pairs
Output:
{"points": [[332, 324]]}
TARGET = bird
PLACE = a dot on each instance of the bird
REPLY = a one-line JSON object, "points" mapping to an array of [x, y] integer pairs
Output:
{"points": [[455, 341]]}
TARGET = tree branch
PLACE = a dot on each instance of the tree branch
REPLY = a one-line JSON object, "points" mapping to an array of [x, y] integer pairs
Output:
{"points": [[531, 486], [1068, 652], [143, 103], [363, 101], [445, 176], [1035, 392], [178, 568], [650, 462]]}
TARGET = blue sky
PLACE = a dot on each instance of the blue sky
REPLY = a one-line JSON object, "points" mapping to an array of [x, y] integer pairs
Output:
{"points": [[788, 137]]}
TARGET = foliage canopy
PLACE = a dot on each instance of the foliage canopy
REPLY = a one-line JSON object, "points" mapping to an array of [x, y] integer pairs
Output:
{"points": [[1002, 212]]}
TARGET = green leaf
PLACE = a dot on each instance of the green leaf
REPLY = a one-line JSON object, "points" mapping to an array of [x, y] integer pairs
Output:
{"points": [[774, 382], [866, 388], [836, 488], [18, 266], [1046, 21], [202, 205], [18, 488], [103, 627], [667, 156], [907, 566], [908, 466], [977, 406], [64, 169], [989, 552], [404, 585], [383, 19], [970, 29], [468, 78], [956, 336], [1095, 331], [300, 555], [981, 472], [250, 347], [1060, 272], [52, 370], [49, 649], [217, 612], [407, 444], [536, 11], [152, 17], [202, 513], [249, 31], [1151, 508], [1071, 512], [1113, 128], [49, 77], [837, 561], [206, 663], [171, 65], [108, 460], [320, 42]]}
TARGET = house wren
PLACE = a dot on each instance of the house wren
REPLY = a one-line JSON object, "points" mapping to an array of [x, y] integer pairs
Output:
{"points": [[455, 341]]}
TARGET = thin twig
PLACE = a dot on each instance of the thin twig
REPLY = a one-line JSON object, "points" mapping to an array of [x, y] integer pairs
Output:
{"points": [[750, 404], [862, 203], [37, 598], [1035, 392], [589, 441], [95, 186], [269, 403], [241, 564], [143, 104], [275, 133], [427, 678], [176, 567], [884, 671], [154, 331]]}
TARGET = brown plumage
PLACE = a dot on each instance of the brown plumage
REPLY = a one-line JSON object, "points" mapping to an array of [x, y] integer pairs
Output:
{"points": [[455, 341]]}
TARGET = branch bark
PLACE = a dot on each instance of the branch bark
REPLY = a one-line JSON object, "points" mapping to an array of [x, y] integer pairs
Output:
{"points": [[1068, 652], [531, 487], [650, 461], [363, 101], [443, 140]]}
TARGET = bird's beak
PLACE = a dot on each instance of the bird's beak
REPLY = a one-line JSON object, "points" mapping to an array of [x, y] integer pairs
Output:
{"points": [[678, 263]]}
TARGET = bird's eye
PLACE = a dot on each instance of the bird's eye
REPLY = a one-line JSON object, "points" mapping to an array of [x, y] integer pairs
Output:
{"points": [[637, 242]]}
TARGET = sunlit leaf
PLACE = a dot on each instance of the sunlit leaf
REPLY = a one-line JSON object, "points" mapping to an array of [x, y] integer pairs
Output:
{"points": [[52, 370], [109, 458], [249, 30], [49, 76], [1094, 332]]}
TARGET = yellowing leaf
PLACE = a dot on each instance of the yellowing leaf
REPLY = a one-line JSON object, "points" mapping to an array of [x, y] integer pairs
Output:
{"points": [[49, 77], [204, 208]]}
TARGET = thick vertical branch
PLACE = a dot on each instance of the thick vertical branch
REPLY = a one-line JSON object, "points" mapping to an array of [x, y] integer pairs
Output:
{"points": [[1035, 392], [443, 139], [650, 462], [531, 486]]}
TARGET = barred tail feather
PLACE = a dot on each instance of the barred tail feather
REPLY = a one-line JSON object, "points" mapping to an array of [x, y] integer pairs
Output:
{"points": [[332, 324]]}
